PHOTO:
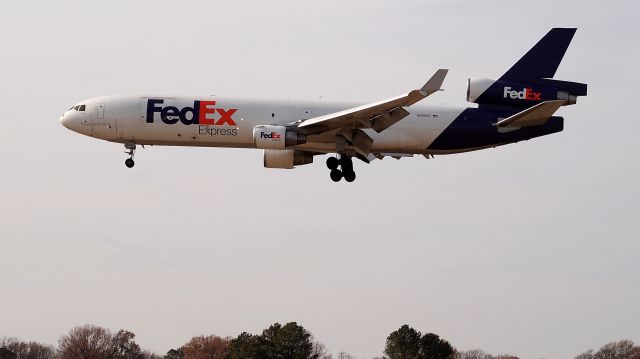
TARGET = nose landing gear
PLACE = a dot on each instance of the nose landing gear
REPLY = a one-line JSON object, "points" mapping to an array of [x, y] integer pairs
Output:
{"points": [[346, 168], [130, 149]]}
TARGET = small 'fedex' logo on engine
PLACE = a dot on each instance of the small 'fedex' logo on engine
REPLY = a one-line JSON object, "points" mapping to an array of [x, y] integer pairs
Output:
{"points": [[202, 113], [271, 135], [525, 94]]}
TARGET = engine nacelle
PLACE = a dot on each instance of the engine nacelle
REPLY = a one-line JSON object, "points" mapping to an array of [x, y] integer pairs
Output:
{"points": [[485, 91], [286, 158], [273, 137]]}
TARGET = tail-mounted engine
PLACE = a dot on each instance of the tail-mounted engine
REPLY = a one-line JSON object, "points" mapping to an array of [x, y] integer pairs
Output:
{"points": [[503, 93], [274, 137]]}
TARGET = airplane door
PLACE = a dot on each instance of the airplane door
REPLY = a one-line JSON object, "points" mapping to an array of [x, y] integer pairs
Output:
{"points": [[143, 109], [100, 114], [103, 127]]}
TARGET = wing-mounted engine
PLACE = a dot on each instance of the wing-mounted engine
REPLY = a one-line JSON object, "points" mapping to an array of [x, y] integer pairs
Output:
{"points": [[275, 137], [514, 94], [277, 142], [286, 158]]}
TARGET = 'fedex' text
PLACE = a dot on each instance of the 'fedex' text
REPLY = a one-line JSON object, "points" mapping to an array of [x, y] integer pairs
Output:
{"points": [[202, 113], [525, 94]]}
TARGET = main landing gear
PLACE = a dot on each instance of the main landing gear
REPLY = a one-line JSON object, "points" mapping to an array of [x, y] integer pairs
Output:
{"points": [[130, 149], [346, 171]]}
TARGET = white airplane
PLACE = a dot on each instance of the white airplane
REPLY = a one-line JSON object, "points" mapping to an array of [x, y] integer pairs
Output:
{"points": [[518, 106]]}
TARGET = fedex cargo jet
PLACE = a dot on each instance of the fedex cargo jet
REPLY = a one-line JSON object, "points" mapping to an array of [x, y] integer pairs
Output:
{"points": [[517, 106]]}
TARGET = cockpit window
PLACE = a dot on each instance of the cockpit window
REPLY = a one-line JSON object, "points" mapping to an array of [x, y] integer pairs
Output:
{"points": [[82, 107], [78, 108]]}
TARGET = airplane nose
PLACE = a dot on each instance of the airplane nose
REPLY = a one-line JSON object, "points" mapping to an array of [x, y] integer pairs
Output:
{"points": [[66, 121], [70, 121], [76, 123]]}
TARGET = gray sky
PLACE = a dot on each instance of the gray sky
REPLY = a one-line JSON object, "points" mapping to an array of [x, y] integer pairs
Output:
{"points": [[530, 249]]}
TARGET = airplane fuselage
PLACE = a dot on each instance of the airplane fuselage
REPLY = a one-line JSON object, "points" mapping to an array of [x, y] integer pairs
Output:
{"points": [[227, 122], [517, 106]]}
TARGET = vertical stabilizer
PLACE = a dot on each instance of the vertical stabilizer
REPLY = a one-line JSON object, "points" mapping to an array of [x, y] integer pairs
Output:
{"points": [[530, 81], [543, 59]]}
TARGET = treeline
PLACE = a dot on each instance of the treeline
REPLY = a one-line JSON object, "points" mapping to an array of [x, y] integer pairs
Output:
{"points": [[289, 341]]}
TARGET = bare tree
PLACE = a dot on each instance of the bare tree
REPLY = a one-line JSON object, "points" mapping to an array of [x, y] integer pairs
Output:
{"points": [[205, 347], [320, 351], [147, 354], [585, 355], [93, 342], [624, 349], [86, 342], [6, 353], [124, 347], [28, 350], [7, 348], [474, 354], [345, 355]]}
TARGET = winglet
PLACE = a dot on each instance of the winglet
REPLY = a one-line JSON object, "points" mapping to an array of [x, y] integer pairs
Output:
{"points": [[433, 85], [435, 82]]}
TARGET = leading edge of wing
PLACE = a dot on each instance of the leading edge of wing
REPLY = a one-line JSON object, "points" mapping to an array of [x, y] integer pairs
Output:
{"points": [[361, 115]]}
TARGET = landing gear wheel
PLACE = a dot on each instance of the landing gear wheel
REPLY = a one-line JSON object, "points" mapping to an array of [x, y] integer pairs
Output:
{"points": [[130, 150], [336, 175], [346, 163], [332, 163], [349, 176]]}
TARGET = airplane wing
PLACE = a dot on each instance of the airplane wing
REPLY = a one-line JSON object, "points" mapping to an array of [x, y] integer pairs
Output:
{"points": [[533, 116], [378, 115]]}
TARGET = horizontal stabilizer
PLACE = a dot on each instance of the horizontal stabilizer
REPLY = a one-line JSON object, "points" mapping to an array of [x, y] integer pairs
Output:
{"points": [[537, 115]]}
